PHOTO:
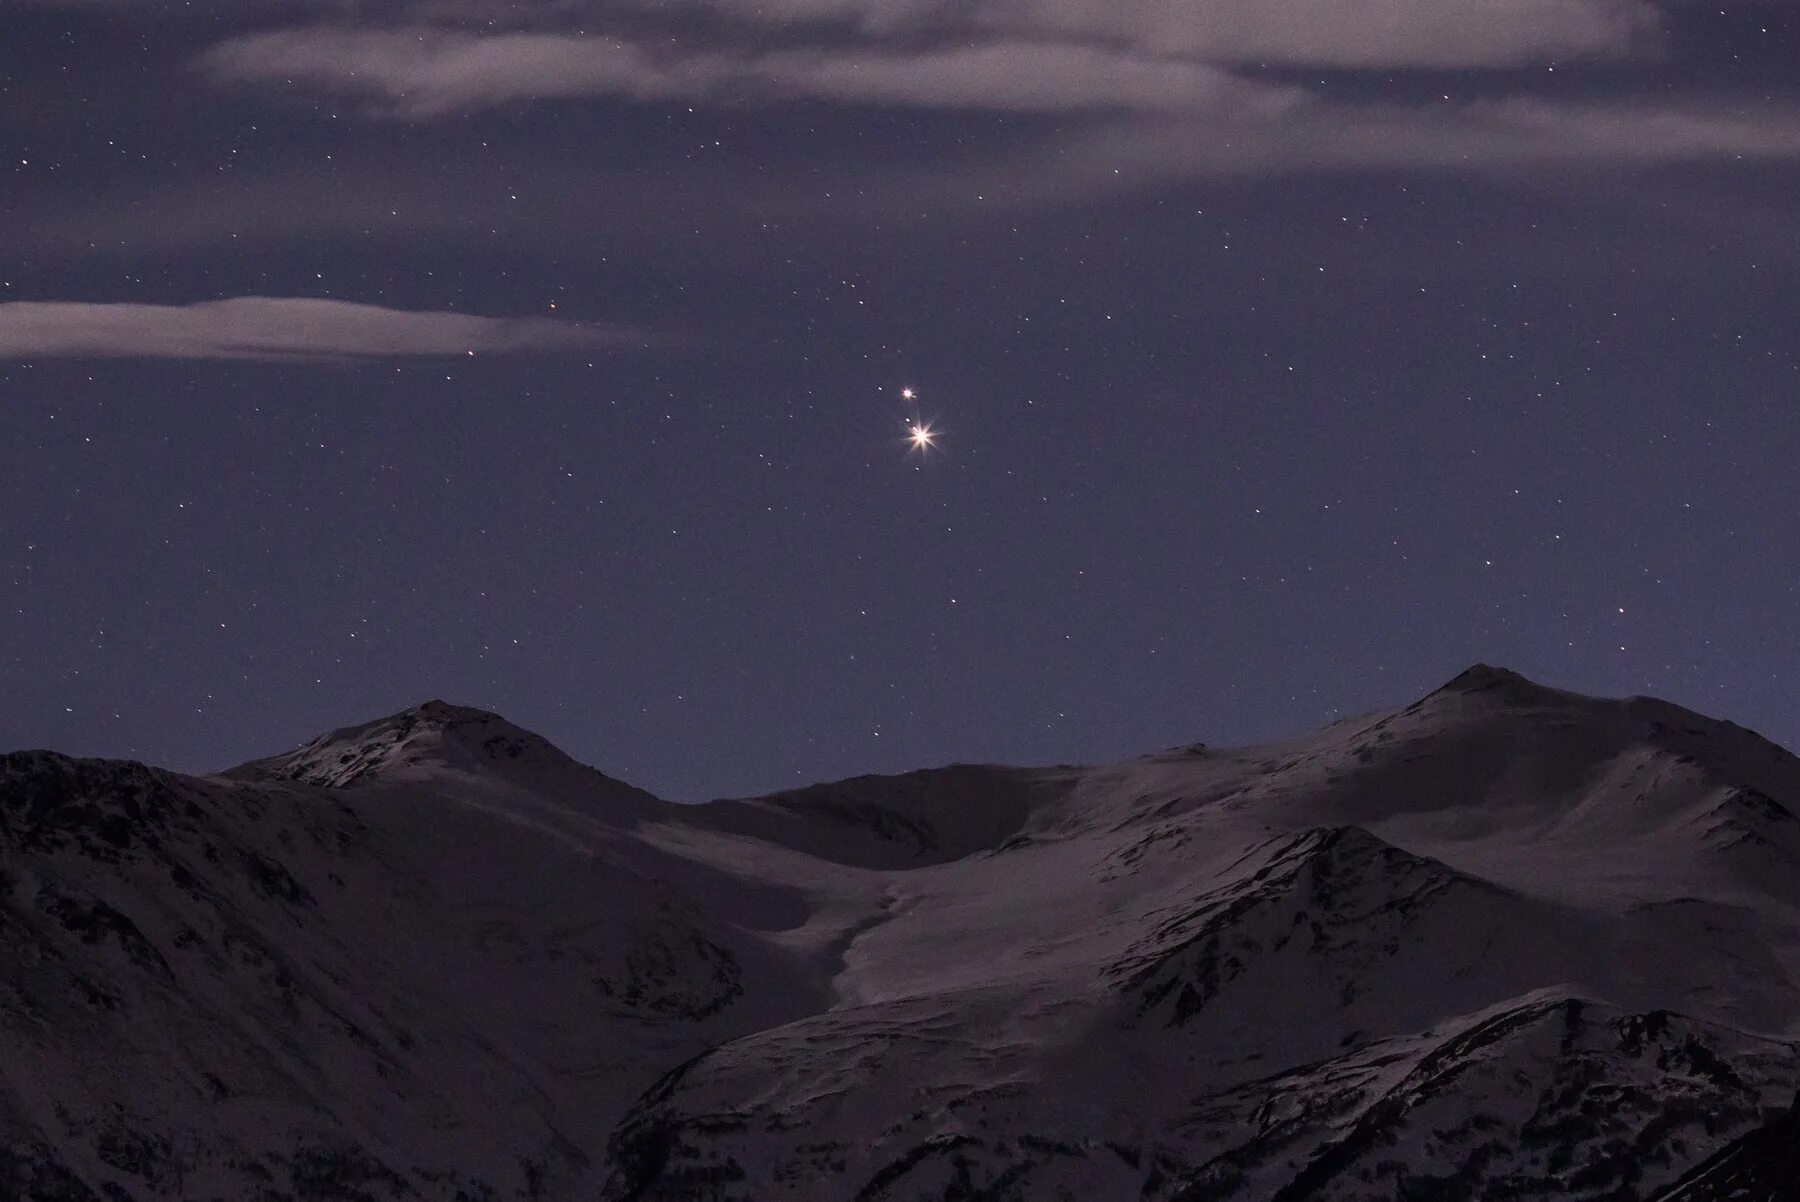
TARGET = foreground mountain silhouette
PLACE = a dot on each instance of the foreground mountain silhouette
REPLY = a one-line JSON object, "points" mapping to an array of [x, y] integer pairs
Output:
{"points": [[1507, 942]]}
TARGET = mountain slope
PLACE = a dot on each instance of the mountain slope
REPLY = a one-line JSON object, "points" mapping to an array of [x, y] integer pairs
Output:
{"points": [[1507, 941], [219, 986]]}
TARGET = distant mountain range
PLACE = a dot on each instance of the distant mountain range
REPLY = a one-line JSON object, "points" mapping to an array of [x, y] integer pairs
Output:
{"points": [[1505, 943]]}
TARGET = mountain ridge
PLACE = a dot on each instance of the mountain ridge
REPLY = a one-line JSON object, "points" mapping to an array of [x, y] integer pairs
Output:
{"points": [[431, 956]]}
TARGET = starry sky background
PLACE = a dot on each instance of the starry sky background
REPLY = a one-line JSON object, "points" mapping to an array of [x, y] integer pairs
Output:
{"points": [[1288, 357]]}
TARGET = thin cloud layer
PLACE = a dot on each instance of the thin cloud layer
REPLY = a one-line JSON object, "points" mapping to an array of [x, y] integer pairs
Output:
{"points": [[1525, 139], [422, 60], [1346, 33], [1531, 143], [428, 72], [1363, 33], [1144, 92], [278, 328], [1168, 116]]}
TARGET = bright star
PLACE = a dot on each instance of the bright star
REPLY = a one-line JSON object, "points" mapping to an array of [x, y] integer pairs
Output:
{"points": [[921, 436], [907, 394]]}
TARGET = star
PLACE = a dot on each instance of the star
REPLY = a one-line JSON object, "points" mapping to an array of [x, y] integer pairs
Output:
{"points": [[907, 394], [921, 436]]}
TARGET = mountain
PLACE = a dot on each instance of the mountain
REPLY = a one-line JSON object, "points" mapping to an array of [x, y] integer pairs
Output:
{"points": [[1505, 942]]}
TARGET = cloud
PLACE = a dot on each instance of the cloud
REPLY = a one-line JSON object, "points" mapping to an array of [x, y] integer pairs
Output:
{"points": [[1618, 148], [428, 71], [1050, 56], [1126, 117], [1525, 139], [1345, 33], [279, 328], [1572, 148], [1017, 76], [1371, 33]]}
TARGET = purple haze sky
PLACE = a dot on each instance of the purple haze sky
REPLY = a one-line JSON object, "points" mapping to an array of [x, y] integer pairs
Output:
{"points": [[1288, 356]]}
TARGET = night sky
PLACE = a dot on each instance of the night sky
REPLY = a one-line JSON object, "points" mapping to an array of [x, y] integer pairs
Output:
{"points": [[1284, 357]]}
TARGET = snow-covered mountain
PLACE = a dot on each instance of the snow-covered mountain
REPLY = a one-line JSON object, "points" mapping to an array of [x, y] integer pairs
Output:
{"points": [[1507, 942]]}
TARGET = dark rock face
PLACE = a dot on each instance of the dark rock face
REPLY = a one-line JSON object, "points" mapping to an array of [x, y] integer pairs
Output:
{"points": [[1761, 1166], [103, 809], [1318, 893], [674, 973]]}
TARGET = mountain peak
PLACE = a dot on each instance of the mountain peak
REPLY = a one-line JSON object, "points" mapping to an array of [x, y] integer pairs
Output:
{"points": [[1500, 686], [439, 710], [434, 734], [1482, 677]]}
